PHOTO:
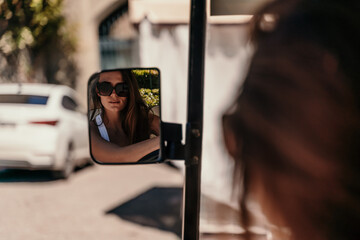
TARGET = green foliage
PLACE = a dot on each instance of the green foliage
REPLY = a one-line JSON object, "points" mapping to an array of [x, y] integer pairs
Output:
{"points": [[147, 78], [149, 84], [36, 44], [150, 96], [32, 24]]}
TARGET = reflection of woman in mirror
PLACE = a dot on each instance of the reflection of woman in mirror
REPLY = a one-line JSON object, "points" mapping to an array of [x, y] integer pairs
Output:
{"points": [[121, 123]]}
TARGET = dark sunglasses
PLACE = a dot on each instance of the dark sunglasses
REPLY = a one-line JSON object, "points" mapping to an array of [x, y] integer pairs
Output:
{"points": [[105, 89]]}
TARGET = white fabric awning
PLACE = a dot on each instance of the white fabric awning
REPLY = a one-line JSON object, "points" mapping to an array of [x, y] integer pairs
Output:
{"points": [[160, 11], [175, 12]]}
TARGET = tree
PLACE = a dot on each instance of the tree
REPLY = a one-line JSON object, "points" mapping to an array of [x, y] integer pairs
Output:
{"points": [[35, 42]]}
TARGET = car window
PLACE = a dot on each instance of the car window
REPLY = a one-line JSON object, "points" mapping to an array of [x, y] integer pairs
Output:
{"points": [[69, 103], [23, 99]]}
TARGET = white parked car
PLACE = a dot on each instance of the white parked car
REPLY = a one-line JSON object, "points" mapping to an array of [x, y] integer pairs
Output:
{"points": [[42, 127]]}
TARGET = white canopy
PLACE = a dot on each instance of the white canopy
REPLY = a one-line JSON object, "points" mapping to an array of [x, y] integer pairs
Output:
{"points": [[178, 11]]}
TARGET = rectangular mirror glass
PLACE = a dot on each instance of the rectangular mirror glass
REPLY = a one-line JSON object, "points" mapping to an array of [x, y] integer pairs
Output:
{"points": [[123, 111]]}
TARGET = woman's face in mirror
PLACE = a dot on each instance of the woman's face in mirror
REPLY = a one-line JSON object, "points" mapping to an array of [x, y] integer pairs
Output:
{"points": [[113, 102]]}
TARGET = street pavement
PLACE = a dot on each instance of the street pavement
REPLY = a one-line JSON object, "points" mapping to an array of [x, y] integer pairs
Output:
{"points": [[96, 202]]}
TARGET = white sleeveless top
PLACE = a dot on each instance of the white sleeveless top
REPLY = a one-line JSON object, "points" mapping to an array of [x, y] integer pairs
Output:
{"points": [[102, 129]]}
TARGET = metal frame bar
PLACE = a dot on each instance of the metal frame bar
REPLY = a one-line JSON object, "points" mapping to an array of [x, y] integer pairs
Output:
{"points": [[194, 126]]}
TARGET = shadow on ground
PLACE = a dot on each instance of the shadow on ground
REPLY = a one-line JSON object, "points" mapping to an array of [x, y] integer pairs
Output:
{"points": [[158, 208], [17, 175]]}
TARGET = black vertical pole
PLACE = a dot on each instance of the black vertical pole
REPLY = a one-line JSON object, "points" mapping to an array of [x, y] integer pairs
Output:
{"points": [[194, 120]]}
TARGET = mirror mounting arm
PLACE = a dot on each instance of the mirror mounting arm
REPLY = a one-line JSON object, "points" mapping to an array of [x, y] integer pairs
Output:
{"points": [[171, 134], [171, 142]]}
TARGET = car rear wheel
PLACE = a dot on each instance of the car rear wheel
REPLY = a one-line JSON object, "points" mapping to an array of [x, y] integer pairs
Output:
{"points": [[68, 165]]}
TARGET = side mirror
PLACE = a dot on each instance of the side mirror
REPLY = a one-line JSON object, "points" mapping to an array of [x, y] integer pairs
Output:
{"points": [[124, 116]]}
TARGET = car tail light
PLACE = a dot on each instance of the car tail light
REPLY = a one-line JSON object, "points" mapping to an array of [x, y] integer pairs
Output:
{"points": [[51, 123]]}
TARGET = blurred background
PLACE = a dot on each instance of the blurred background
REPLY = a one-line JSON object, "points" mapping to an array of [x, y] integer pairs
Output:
{"points": [[63, 42]]}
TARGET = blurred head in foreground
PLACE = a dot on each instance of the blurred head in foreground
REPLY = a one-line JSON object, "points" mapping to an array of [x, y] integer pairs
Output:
{"points": [[294, 129]]}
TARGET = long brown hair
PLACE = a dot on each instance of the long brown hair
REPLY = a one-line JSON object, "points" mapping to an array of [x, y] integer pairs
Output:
{"points": [[296, 121], [135, 118]]}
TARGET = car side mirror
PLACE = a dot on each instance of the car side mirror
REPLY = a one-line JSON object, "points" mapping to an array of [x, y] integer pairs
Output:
{"points": [[124, 116]]}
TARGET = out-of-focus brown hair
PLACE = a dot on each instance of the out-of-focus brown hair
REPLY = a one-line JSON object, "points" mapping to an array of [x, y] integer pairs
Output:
{"points": [[296, 120]]}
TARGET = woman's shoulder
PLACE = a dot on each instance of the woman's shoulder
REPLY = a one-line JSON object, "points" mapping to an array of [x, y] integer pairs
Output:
{"points": [[93, 125], [155, 110], [153, 117]]}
